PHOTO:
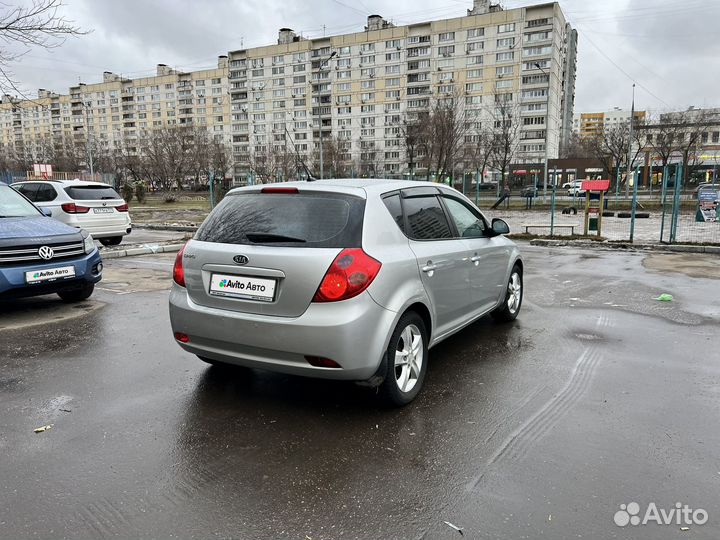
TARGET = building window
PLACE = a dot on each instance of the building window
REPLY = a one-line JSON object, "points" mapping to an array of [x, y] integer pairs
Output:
{"points": [[475, 33], [446, 36], [503, 70], [475, 46], [504, 28]]}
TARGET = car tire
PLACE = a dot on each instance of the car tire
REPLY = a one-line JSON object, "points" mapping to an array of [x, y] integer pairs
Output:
{"points": [[510, 308], [111, 241], [403, 379], [77, 295]]}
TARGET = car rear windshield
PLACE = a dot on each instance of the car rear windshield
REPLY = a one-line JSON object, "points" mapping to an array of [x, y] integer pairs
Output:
{"points": [[312, 220], [91, 193]]}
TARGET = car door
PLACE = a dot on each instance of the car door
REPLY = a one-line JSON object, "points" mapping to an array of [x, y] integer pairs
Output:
{"points": [[442, 257], [489, 254], [47, 197]]}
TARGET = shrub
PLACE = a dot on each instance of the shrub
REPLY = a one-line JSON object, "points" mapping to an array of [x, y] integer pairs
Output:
{"points": [[140, 192], [126, 191], [170, 197]]}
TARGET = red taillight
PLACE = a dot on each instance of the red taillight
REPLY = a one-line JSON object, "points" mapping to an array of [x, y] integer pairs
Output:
{"points": [[279, 190], [178, 269], [319, 361], [182, 338], [72, 208], [351, 273], [122, 208]]}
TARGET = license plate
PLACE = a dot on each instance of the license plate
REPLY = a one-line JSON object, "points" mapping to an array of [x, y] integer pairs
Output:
{"points": [[103, 210], [250, 288], [50, 274]]}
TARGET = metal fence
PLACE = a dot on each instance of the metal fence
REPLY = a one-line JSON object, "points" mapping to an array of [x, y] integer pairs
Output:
{"points": [[670, 213], [8, 177]]}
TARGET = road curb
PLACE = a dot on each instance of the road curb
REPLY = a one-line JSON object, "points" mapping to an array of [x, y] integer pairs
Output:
{"points": [[681, 248], [144, 249], [177, 228]]}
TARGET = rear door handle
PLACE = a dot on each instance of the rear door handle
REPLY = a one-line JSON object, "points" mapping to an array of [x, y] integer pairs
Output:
{"points": [[429, 269]]}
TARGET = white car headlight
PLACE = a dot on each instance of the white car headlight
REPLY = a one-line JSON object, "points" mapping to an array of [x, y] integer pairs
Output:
{"points": [[89, 244]]}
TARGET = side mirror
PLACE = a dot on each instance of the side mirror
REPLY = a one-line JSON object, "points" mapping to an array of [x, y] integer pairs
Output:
{"points": [[500, 227], [46, 211]]}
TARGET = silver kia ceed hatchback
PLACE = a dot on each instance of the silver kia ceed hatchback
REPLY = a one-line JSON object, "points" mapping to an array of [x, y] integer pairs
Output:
{"points": [[341, 279]]}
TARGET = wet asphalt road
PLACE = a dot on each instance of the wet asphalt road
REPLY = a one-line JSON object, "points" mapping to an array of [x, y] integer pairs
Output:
{"points": [[597, 396]]}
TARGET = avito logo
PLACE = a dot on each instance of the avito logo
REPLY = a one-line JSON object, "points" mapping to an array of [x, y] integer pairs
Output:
{"points": [[237, 284]]}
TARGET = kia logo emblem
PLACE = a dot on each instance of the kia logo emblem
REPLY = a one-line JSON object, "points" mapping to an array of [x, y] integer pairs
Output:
{"points": [[46, 253], [241, 259]]}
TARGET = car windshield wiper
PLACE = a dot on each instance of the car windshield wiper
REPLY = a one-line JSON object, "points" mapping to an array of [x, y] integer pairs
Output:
{"points": [[270, 237]]}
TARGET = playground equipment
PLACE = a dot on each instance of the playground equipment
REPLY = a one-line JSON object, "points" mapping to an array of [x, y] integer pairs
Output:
{"points": [[594, 201]]}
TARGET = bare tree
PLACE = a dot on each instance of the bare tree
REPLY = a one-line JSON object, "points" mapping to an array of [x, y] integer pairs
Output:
{"points": [[38, 23], [413, 140], [479, 148], [575, 148], [272, 162], [505, 135], [166, 156], [612, 146], [441, 134], [336, 158]]}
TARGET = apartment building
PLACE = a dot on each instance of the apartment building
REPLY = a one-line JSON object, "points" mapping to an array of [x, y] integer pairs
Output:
{"points": [[360, 88], [118, 110], [356, 90], [592, 124]]}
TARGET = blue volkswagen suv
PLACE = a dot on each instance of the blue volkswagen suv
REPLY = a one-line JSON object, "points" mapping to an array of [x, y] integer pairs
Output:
{"points": [[40, 255]]}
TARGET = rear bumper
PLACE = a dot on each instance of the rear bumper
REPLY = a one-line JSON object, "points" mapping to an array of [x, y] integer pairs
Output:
{"points": [[98, 229], [13, 285], [354, 333]]}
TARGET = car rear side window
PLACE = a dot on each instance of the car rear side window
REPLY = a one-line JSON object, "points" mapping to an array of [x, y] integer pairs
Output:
{"points": [[426, 218], [313, 220], [91, 193], [45, 193], [29, 190], [392, 203]]}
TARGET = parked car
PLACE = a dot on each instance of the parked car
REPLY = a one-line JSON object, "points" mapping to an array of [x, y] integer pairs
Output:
{"points": [[39, 255], [341, 279], [92, 206], [487, 186], [529, 191], [705, 185], [576, 189]]}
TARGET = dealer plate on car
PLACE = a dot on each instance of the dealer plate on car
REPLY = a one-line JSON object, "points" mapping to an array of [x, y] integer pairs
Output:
{"points": [[250, 288], [51, 274], [103, 210]]}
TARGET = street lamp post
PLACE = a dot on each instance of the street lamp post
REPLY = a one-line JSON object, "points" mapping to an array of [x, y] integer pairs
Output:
{"points": [[88, 143], [630, 143], [547, 118], [322, 172]]}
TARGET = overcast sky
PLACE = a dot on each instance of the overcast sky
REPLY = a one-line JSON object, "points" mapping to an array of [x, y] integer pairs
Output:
{"points": [[670, 48]]}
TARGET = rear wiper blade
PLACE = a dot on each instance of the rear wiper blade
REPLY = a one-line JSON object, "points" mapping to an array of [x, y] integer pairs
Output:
{"points": [[270, 237]]}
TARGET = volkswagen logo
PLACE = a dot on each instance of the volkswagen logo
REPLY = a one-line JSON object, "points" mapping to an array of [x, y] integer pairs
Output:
{"points": [[241, 259], [46, 253]]}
